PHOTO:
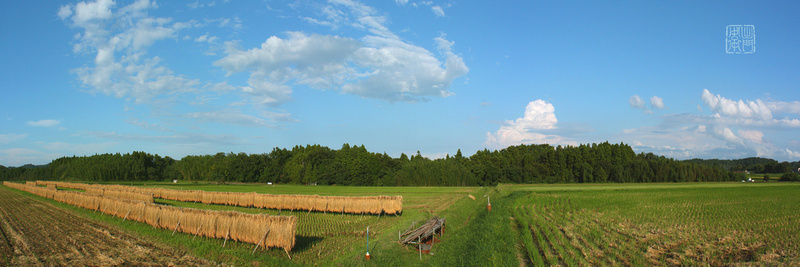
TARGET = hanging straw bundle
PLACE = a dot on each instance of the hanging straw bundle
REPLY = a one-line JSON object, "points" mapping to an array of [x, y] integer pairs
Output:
{"points": [[152, 215]]}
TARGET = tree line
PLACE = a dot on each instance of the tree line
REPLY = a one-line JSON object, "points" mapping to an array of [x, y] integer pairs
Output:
{"points": [[355, 165], [753, 165]]}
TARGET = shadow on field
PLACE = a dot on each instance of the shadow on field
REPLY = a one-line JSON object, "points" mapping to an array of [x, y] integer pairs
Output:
{"points": [[303, 243]]}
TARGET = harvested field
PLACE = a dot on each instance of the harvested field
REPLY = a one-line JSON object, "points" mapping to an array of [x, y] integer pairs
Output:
{"points": [[695, 226], [279, 230], [37, 233]]}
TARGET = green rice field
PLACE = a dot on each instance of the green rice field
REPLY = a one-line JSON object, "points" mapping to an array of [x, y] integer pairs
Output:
{"points": [[536, 225]]}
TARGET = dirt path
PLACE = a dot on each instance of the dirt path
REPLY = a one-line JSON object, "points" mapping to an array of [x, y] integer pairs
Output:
{"points": [[34, 232]]}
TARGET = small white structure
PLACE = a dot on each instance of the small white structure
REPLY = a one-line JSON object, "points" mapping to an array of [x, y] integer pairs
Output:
{"points": [[269, 183], [174, 181]]}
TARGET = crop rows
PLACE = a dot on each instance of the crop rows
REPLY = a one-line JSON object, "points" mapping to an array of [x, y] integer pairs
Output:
{"points": [[660, 227]]}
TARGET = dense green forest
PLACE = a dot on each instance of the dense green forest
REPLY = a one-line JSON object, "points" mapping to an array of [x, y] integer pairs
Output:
{"points": [[753, 165], [355, 165]]}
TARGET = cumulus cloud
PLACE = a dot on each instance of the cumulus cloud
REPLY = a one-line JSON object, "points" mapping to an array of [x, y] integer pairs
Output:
{"points": [[732, 131], [405, 72], [315, 60], [749, 109], [736, 129], [657, 102], [88, 11], [375, 67], [636, 102], [539, 116], [752, 112], [378, 65], [44, 123], [726, 134]]}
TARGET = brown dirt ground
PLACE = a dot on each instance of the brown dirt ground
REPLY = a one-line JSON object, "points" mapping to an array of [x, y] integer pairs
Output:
{"points": [[36, 233]]}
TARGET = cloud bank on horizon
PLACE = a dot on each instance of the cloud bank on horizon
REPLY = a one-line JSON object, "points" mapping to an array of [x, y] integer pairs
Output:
{"points": [[679, 135], [178, 79]]}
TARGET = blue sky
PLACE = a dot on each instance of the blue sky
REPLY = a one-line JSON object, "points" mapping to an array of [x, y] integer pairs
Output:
{"points": [[179, 78]]}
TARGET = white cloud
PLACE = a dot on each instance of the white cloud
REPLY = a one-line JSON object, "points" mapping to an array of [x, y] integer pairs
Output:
{"points": [[405, 72], [119, 39], [206, 38], [316, 60], [784, 107], [680, 142], [726, 134], [741, 109], [86, 12], [438, 11], [8, 138], [752, 136], [382, 66], [792, 154], [401, 2], [735, 130], [65, 11], [378, 66], [657, 102], [751, 113], [539, 116], [636, 102], [44, 123]]}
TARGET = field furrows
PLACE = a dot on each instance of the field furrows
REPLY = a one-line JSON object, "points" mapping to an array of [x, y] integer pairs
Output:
{"points": [[40, 233], [707, 226]]}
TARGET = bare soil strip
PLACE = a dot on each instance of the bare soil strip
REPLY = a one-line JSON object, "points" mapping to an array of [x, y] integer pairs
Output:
{"points": [[37, 233]]}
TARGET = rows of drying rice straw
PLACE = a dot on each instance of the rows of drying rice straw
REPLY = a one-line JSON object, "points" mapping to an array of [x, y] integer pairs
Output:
{"points": [[121, 194], [276, 231], [80, 186], [345, 204], [339, 204], [36, 190]]}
